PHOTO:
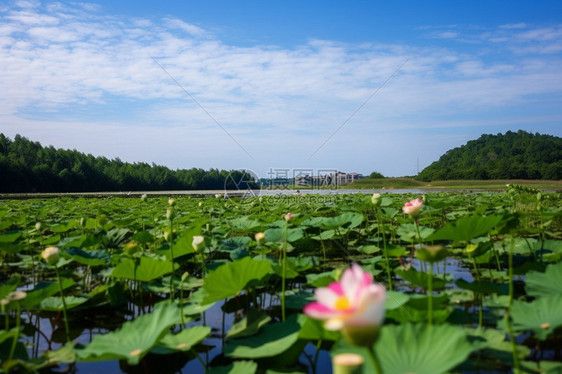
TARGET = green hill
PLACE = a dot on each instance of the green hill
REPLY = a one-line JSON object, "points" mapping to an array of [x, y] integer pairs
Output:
{"points": [[513, 155], [27, 166]]}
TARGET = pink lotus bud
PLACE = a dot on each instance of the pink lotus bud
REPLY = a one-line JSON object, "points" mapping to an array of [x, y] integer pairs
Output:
{"points": [[288, 216], [413, 207]]}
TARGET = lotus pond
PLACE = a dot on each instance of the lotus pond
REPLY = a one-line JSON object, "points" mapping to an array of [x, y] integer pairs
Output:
{"points": [[212, 285]]}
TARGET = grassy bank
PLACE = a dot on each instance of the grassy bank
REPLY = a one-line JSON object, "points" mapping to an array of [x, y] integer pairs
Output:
{"points": [[398, 183]]}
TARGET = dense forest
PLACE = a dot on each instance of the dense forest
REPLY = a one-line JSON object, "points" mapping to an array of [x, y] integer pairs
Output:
{"points": [[514, 155], [26, 166]]}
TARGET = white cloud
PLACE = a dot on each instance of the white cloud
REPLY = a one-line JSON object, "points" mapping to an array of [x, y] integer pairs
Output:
{"points": [[73, 75]]}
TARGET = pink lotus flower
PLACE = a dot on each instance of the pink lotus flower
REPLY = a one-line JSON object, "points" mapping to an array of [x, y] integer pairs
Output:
{"points": [[354, 305], [413, 207]]}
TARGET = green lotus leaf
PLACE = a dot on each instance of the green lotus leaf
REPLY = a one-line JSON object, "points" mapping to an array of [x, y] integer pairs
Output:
{"points": [[420, 278], [479, 248], [9, 286], [143, 269], [249, 325], [184, 340], [244, 224], [235, 243], [483, 287], [409, 233], [467, 228], [237, 367], [368, 249], [91, 258], [275, 235], [542, 316], [271, 371], [324, 235], [415, 348], [232, 278], [134, 339], [545, 284], [320, 279], [415, 309], [54, 304], [542, 367], [395, 299], [313, 330], [63, 355], [43, 290], [493, 343], [272, 340], [345, 220], [10, 237]]}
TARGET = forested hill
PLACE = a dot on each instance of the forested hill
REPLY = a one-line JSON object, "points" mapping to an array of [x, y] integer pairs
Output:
{"points": [[513, 155], [26, 166]]}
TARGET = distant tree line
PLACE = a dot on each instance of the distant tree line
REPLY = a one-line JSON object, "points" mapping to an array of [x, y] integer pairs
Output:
{"points": [[26, 166], [514, 155]]}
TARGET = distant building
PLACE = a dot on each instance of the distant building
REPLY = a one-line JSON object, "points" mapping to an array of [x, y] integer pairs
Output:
{"points": [[336, 178]]}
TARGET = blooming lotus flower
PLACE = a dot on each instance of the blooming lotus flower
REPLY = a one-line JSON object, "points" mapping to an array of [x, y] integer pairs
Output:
{"points": [[354, 305], [413, 207], [51, 255]]}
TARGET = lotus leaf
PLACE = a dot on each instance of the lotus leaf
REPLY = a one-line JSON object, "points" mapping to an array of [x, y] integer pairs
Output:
{"points": [[415, 348], [230, 279], [134, 339]]}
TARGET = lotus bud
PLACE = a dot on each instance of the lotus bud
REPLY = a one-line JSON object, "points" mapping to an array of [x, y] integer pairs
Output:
{"points": [[167, 235], [198, 243], [170, 212], [413, 207], [200, 203], [184, 276], [38, 226], [143, 197], [348, 363], [51, 255], [218, 195], [82, 222], [171, 202], [376, 199], [288, 216], [260, 237], [260, 199]]}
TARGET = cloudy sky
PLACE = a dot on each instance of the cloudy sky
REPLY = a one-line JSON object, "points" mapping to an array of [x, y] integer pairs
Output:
{"points": [[356, 86]]}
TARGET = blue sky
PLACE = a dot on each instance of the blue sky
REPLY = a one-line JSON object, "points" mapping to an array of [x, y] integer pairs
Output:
{"points": [[357, 86]]}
